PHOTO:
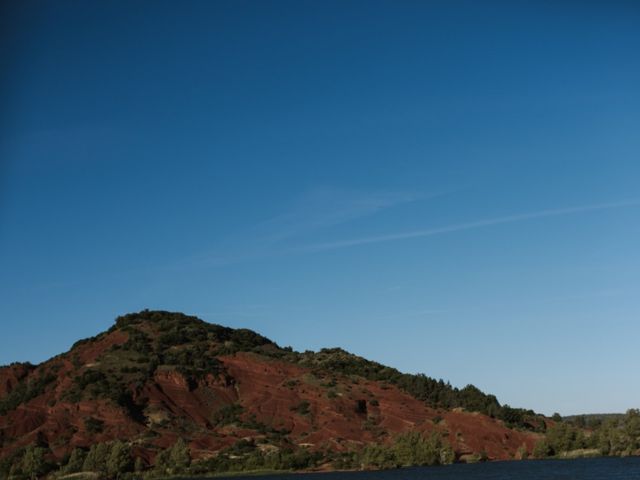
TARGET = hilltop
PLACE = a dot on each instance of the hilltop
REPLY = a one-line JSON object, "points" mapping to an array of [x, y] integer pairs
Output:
{"points": [[156, 378]]}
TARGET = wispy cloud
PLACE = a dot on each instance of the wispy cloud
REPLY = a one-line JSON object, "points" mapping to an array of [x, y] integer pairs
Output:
{"points": [[467, 225], [315, 210], [327, 207]]}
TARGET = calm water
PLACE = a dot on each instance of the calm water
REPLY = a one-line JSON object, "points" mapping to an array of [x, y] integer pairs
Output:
{"points": [[581, 469]]}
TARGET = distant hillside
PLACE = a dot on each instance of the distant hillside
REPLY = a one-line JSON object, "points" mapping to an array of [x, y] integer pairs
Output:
{"points": [[234, 399], [592, 419]]}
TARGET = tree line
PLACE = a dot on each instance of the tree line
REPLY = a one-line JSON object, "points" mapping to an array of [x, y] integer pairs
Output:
{"points": [[613, 436]]}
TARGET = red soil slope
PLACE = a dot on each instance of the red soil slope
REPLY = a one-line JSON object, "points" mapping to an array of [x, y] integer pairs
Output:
{"points": [[270, 392]]}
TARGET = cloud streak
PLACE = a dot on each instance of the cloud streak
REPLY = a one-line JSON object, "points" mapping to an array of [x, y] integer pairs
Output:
{"points": [[468, 226], [317, 209], [325, 207]]}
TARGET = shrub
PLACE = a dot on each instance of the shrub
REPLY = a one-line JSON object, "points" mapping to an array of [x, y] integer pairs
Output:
{"points": [[228, 414], [361, 407], [541, 449], [302, 408], [93, 425], [412, 448]]}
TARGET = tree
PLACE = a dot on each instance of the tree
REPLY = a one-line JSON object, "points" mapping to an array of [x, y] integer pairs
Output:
{"points": [[541, 449], [448, 456], [564, 437], [138, 465], [96, 460], [375, 455], [162, 462], [180, 456], [5, 467], [174, 459], [580, 421], [119, 460], [632, 429], [412, 448], [75, 462], [33, 462]]}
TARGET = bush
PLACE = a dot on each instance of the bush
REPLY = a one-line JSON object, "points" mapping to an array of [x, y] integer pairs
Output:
{"points": [[541, 449], [228, 414], [93, 425], [412, 448], [302, 408]]}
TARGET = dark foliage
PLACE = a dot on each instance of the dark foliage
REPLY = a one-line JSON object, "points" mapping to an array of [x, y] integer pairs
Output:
{"points": [[302, 408], [93, 425], [178, 329], [244, 456], [228, 414], [24, 391]]}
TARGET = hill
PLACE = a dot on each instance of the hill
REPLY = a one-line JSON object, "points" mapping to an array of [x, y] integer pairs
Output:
{"points": [[156, 379], [592, 420]]}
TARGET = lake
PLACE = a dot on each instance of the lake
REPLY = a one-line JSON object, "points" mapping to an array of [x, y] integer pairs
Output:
{"points": [[579, 469]]}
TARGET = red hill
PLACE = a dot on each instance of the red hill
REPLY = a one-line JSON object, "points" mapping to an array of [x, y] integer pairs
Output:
{"points": [[155, 377]]}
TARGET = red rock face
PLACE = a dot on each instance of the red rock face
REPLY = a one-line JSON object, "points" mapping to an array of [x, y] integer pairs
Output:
{"points": [[337, 422], [316, 409]]}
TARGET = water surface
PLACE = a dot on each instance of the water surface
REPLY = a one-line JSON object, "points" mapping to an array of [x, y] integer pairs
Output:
{"points": [[579, 469]]}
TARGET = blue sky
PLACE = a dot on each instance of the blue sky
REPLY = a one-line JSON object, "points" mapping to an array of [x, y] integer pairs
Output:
{"points": [[445, 187]]}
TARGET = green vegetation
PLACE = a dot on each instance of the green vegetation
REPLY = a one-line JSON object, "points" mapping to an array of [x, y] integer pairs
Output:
{"points": [[24, 391], [589, 421], [33, 462], [93, 425], [246, 456], [27, 463], [178, 329], [108, 460], [75, 462], [114, 460], [411, 448], [615, 436], [119, 460], [228, 414], [173, 461], [302, 408]]}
